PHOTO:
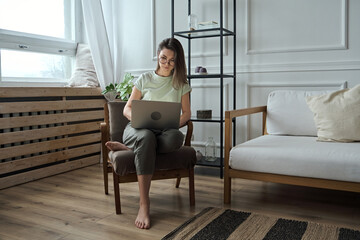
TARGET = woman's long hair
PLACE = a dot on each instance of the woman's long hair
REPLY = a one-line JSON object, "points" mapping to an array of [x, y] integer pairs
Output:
{"points": [[179, 71]]}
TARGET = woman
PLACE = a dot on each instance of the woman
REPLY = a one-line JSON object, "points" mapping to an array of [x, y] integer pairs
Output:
{"points": [[167, 83]]}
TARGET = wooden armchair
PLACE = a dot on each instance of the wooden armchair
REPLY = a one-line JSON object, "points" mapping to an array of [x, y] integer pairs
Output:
{"points": [[177, 164]]}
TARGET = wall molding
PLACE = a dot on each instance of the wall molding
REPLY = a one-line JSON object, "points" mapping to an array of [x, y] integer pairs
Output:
{"points": [[226, 90], [342, 46], [299, 67]]}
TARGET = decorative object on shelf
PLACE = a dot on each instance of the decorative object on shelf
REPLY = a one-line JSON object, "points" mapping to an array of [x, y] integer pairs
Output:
{"points": [[200, 70], [210, 155], [203, 71], [193, 22], [119, 91], [208, 25], [197, 69], [204, 114]]}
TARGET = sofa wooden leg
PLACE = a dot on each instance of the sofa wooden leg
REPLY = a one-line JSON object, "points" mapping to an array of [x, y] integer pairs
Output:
{"points": [[117, 193], [227, 189], [178, 182], [191, 187]]}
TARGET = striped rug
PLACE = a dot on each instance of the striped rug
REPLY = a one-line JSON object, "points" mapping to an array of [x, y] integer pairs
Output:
{"points": [[216, 223]]}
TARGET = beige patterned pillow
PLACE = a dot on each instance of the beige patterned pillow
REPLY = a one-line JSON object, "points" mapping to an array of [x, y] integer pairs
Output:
{"points": [[337, 115]]}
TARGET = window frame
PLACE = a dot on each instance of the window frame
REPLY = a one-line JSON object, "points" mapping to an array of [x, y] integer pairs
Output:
{"points": [[27, 42]]}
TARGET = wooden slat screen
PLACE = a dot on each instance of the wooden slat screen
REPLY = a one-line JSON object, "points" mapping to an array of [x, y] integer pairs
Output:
{"points": [[47, 131]]}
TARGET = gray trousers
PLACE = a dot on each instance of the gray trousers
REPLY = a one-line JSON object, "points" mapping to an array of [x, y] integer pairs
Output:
{"points": [[146, 143]]}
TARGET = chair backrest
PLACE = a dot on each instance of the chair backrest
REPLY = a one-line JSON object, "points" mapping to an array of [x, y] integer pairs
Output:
{"points": [[117, 121], [288, 113]]}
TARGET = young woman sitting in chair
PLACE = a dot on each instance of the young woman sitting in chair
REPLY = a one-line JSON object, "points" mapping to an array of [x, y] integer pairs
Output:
{"points": [[167, 83]]}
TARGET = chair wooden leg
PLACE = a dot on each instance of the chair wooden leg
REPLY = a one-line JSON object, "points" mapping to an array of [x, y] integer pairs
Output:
{"points": [[104, 156], [117, 193], [178, 182], [191, 187], [106, 179]]}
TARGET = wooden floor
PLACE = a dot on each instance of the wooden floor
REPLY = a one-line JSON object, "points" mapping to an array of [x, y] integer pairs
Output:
{"points": [[73, 206]]}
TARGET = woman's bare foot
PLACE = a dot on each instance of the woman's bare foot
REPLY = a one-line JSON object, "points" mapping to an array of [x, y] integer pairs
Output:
{"points": [[116, 146], [143, 218]]}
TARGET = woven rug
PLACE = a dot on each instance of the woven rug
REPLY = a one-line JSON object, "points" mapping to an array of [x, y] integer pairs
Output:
{"points": [[215, 223]]}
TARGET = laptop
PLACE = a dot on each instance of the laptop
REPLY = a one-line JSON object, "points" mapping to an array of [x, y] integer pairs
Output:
{"points": [[155, 114]]}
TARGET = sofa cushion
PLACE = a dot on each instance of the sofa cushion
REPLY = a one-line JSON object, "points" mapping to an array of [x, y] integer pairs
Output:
{"points": [[337, 115], [288, 113], [184, 158], [298, 156]]}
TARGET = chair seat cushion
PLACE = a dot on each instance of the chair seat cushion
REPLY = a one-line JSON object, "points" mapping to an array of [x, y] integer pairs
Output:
{"points": [[298, 156], [184, 158]]}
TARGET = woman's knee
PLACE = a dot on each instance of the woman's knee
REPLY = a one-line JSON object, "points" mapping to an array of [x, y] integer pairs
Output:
{"points": [[133, 137], [170, 141], [146, 135]]}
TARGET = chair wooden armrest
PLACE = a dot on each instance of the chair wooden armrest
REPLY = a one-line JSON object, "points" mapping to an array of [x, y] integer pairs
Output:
{"points": [[187, 142], [189, 133]]}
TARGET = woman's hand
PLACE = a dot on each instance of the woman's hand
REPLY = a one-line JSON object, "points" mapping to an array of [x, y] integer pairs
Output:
{"points": [[185, 108], [135, 95]]}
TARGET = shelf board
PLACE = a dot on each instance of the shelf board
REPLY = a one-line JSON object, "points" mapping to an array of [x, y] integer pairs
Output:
{"points": [[210, 76], [203, 162], [204, 33], [213, 119]]}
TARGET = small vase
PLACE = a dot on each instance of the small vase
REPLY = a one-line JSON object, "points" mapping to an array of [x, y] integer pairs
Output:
{"points": [[210, 149], [192, 22]]}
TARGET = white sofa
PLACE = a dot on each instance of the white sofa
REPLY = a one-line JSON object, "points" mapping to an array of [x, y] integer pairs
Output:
{"points": [[290, 152]]}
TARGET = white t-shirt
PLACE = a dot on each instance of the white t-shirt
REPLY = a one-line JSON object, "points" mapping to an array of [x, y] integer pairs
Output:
{"points": [[156, 88]]}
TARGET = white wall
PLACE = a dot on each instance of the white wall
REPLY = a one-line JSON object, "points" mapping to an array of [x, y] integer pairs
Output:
{"points": [[298, 44]]}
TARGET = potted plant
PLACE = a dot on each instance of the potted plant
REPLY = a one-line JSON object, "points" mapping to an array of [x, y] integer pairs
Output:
{"points": [[120, 90]]}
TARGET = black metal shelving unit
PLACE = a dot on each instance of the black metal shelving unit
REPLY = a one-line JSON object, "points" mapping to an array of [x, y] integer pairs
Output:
{"points": [[219, 32]]}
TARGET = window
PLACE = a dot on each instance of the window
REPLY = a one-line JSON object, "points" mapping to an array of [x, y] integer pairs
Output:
{"points": [[38, 39]]}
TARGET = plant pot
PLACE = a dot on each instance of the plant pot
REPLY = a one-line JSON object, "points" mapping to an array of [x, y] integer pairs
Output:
{"points": [[111, 95]]}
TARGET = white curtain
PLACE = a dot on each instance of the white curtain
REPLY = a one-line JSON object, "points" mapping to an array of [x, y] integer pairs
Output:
{"points": [[102, 29]]}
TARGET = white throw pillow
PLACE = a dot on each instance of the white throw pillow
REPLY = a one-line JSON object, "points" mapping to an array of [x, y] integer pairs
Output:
{"points": [[288, 114], [337, 115], [84, 74]]}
